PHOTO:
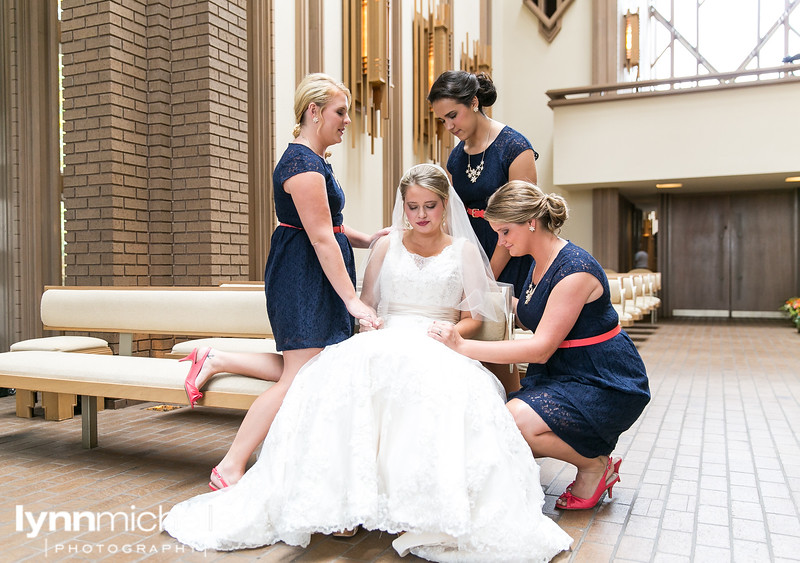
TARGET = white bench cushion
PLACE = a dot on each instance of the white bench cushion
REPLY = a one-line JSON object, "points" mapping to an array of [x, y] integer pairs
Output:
{"points": [[60, 344], [131, 377], [231, 312], [249, 345]]}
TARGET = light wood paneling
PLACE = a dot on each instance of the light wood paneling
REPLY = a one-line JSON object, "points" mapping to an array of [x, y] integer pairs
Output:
{"points": [[260, 133]]}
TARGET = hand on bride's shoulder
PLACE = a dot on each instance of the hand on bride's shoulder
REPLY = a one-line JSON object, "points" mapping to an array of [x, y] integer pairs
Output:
{"points": [[379, 235]]}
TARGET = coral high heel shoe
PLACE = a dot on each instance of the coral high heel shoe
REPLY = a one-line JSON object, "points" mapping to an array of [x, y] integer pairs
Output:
{"points": [[190, 384], [569, 487], [215, 472], [572, 502]]}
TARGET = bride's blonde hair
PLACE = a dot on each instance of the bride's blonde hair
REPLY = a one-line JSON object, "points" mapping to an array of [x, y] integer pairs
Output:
{"points": [[428, 176]]}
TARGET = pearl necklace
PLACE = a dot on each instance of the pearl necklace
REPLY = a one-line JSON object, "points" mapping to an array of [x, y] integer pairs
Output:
{"points": [[532, 288]]}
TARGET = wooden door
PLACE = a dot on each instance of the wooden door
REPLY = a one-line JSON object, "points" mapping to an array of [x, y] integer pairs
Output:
{"points": [[732, 254], [762, 246], [698, 271]]}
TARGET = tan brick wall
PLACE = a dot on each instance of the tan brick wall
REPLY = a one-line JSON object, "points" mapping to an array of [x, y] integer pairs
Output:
{"points": [[209, 136], [156, 136], [155, 183]]}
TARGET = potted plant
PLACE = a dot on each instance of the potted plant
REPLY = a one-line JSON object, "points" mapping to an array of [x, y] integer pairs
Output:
{"points": [[792, 307]]}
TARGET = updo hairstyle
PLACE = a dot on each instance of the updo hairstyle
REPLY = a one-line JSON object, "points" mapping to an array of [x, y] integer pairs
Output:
{"points": [[520, 202], [316, 88], [463, 86], [428, 176]]}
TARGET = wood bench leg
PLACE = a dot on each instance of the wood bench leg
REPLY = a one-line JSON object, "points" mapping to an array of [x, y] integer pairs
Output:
{"points": [[58, 406], [88, 421], [26, 400]]}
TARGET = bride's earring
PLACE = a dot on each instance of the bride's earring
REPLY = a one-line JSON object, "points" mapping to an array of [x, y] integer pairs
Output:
{"points": [[407, 223], [444, 223], [531, 228]]}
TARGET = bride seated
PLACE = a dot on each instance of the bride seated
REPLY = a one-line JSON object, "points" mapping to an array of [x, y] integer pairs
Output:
{"points": [[390, 429]]}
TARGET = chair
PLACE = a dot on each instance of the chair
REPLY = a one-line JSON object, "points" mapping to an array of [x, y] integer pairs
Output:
{"points": [[632, 304], [648, 290], [618, 302]]}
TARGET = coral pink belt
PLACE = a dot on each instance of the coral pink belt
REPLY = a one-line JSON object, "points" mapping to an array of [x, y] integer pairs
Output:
{"points": [[336, 229], [591, 340], [476, 212]]}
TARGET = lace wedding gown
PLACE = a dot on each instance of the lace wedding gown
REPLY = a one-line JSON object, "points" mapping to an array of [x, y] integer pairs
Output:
{"points": [[390, 430]]}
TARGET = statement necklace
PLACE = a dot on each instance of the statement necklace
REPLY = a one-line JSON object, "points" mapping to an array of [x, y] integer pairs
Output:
{"points": [[474, 173], [532, 288]]}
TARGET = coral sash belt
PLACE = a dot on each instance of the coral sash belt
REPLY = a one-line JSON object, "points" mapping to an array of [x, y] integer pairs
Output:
{"points": [[476, 212], [591, 340], [336, 228]]}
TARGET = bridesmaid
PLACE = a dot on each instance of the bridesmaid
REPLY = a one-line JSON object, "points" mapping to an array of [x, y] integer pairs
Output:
{"points": [[488, 155], [310, 274]]}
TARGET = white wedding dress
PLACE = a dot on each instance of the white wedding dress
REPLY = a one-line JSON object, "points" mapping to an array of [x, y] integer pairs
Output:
{"points": [[390, 430]]}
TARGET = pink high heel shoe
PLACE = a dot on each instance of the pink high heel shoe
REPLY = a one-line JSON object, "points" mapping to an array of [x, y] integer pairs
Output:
{"points": [[190, 383], [572, 502], [219, 477], [563, 495]]}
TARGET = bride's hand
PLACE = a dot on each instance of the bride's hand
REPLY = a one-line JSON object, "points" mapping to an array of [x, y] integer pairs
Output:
{"points": [[366, 315], [446, 333], [374, 323]]}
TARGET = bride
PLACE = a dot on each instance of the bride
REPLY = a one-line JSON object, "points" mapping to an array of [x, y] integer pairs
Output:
{"points": [[391, 429]]}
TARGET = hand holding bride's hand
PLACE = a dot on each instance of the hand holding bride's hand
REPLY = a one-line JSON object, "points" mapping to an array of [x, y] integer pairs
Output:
{"points": [[446, 333], [368, 319], [365, 325]]}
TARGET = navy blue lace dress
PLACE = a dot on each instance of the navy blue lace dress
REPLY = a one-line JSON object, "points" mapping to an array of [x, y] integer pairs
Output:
{"points": [[303, 308], [508, 145], [587, 395]]}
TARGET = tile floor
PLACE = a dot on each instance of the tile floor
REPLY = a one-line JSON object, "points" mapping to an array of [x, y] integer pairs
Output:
{"points": [[711, 471]]}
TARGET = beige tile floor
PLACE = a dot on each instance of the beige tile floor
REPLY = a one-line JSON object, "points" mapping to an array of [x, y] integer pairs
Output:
{"points": [[711, 470]]}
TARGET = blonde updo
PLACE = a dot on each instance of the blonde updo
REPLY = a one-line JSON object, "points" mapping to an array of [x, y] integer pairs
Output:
{"points": [[520, 202], [316, 88], [428, 176]]}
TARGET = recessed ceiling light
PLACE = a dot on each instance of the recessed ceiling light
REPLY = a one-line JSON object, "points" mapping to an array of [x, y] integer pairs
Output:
{"points": [[793, 179], [672, 185]]}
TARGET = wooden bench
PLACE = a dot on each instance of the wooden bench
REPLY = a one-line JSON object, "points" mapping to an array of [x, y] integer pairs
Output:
{"points": [[222, 312], [57, 406], [231, 312]]}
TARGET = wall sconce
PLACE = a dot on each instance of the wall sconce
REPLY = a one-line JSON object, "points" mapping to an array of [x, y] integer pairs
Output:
{"points": [[631, 39], [366, 61], [480, 60], [433, 54]]}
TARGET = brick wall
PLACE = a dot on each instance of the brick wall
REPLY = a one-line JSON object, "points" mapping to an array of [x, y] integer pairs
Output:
{"points": [[155, 180], [156, 140]]}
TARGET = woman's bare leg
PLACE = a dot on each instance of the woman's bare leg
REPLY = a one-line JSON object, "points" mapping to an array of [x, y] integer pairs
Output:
{"points": [[545, 443], [265, 366], [259, 417]]}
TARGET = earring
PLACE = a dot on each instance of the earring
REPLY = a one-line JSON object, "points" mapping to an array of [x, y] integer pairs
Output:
{"points": [[406, 223], [475, 109], [531, 228], [316, 119]]}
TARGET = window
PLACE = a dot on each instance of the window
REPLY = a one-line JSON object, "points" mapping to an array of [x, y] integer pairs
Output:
{"points": [[697, 37]]}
